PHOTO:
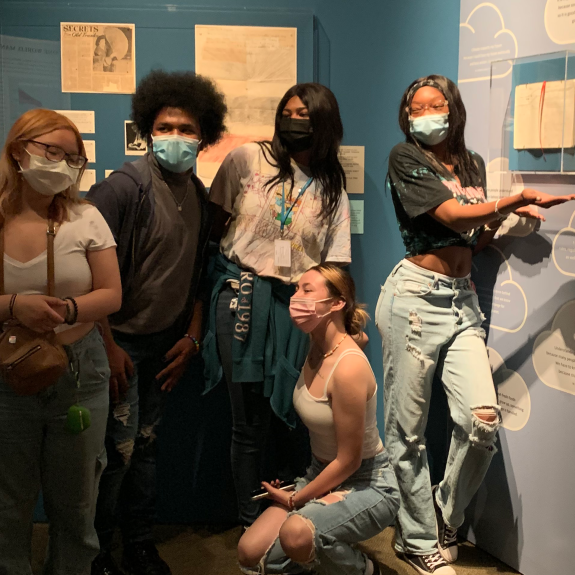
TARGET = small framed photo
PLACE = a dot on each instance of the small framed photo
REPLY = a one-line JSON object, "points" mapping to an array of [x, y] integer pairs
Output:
{"points": [[134, 144]]}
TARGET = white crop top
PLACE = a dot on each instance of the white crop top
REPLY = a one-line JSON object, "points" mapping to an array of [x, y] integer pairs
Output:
{"points": [[85, 231], [317, 415]]}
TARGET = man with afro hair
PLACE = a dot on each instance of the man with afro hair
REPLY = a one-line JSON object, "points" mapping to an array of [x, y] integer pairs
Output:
{"points": [[157, 210]]}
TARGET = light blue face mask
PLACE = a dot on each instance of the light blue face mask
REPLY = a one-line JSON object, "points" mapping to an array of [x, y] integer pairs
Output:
{"points": [[175, 153], [430, 129]]}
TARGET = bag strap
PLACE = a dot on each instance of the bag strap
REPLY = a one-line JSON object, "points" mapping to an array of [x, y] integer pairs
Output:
{"points": [[50, 234]]}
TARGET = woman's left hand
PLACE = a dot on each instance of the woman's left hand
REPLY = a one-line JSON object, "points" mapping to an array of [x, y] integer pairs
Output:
{"points": [[529, 211], [279, 496], [178, 357]]}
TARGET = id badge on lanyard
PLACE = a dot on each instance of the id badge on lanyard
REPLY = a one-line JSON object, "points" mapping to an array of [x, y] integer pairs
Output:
{"points": [[282, 256]]}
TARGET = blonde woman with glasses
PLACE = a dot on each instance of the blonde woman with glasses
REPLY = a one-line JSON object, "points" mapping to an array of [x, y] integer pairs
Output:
{"points": [[40, 449]]}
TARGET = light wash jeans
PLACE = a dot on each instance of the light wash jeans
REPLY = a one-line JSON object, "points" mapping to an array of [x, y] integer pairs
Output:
{"points": [[431, 324], [36, 452], [367, 509]]}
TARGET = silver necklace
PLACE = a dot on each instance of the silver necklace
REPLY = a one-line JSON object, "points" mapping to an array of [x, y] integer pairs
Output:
{"points": [[178, 204]]}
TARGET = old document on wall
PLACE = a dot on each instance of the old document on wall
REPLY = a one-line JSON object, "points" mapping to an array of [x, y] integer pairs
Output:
{"points": [[98, 58], [254, 67], [544, 115]]}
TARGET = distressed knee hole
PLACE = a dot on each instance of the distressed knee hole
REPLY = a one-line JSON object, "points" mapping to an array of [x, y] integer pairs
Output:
{"points": [[147, 433], [297, 538], [122, 413], [125, 449], [486, 420], [415, 322], [249, 559]]}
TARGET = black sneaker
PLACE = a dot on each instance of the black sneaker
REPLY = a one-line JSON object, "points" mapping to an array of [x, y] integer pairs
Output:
{"points": [[142, 558], [430, 563], [446, 535], [104, 564]]}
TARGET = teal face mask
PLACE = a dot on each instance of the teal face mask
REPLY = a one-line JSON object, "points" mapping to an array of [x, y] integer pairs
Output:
{"points": [[175, 153], [430, 129]]}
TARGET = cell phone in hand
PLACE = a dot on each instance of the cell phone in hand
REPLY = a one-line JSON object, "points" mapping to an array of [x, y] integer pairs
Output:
{"points": [[261, 493]]}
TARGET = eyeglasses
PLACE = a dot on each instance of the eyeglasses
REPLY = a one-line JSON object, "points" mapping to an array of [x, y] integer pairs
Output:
{"points": [[56, 154], [416, 110]]}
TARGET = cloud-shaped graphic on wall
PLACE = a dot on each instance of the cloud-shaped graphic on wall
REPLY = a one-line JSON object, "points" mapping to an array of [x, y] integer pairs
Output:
{"points": [[512, 393], [554, 351], [559, 18], [483, 39], [503, 296], [563, 251]]}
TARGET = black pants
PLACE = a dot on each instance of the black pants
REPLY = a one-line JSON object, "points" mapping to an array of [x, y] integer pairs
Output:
{"points": [[263, 446]]}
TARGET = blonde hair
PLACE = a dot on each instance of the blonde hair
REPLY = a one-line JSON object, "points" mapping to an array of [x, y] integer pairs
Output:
{"points": [[29, 126], [340, 284]]}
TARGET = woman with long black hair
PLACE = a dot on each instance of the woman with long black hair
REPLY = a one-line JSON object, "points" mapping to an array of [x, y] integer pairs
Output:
{"points": [[429, 318], [281, 208]]}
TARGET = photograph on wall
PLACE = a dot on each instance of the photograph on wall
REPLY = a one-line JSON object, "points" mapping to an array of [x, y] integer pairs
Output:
{"points": [[253, 66], [98, 58], [134, 144]]}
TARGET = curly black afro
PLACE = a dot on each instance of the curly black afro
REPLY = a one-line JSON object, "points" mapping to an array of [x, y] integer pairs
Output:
{"points": [[195, 94]]}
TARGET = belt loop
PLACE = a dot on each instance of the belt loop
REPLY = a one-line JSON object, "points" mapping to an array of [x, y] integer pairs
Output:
{"points": [[435, 280]]}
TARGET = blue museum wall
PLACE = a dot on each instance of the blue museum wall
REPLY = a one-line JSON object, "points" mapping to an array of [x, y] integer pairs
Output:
{"points": [[368, 52]]}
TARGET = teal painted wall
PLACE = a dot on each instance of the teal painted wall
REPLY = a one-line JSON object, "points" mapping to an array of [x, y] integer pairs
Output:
{"points": [[369, 51]]}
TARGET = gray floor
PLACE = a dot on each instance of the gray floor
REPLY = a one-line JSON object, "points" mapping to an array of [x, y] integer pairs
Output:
{"points": [[210, 551]]}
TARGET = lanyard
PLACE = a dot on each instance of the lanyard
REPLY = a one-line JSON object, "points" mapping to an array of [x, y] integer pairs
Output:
{"points": [[284, 215]]}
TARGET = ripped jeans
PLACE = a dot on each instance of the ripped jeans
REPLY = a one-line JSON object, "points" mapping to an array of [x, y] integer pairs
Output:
{"points": [[128, 485], [431, 324], [370, 504]]}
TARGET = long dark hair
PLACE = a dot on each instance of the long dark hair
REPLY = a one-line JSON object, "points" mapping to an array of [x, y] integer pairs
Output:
{"points": [[327, 135], [463, 164]]}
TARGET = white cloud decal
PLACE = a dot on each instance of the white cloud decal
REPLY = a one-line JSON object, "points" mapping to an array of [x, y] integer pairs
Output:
{"points": [[563, 251], [560, 21], [483, 39], [554, 351], [506, 298], [512, 393]]}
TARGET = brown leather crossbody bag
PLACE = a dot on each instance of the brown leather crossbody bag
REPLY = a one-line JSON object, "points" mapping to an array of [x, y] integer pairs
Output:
{"points": [[31, 361]]}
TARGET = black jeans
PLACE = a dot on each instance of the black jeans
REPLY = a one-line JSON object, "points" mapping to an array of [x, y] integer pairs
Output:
{"points": [[256, 429]]}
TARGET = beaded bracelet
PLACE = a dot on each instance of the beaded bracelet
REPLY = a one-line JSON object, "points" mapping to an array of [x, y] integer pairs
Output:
{"points": [[196, 342], [291, 502]]}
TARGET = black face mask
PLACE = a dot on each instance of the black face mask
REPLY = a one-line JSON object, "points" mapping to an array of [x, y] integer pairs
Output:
{"points": [[296, 134]]}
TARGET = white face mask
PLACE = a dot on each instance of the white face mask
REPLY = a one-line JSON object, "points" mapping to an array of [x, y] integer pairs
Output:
{"points": [[49, 178]]}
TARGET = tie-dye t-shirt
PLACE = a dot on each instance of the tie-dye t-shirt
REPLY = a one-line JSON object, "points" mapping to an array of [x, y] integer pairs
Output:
{"points": [[416, 187], [240, 188]]}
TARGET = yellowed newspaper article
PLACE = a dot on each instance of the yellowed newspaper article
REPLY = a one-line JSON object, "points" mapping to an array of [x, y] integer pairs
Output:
{"points": [[98, 58]]}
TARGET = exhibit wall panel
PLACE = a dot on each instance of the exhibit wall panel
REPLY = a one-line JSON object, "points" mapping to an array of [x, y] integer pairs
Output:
{"points": [[525, 511]]}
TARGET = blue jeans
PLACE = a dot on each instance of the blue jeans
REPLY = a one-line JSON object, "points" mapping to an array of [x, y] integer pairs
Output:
{"points": [[36, 452], [431, 324], [128, 485], [370, 504]]}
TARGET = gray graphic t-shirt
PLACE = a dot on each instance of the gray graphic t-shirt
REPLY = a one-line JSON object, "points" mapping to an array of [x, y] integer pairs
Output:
{"points": [[416, 187]]}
